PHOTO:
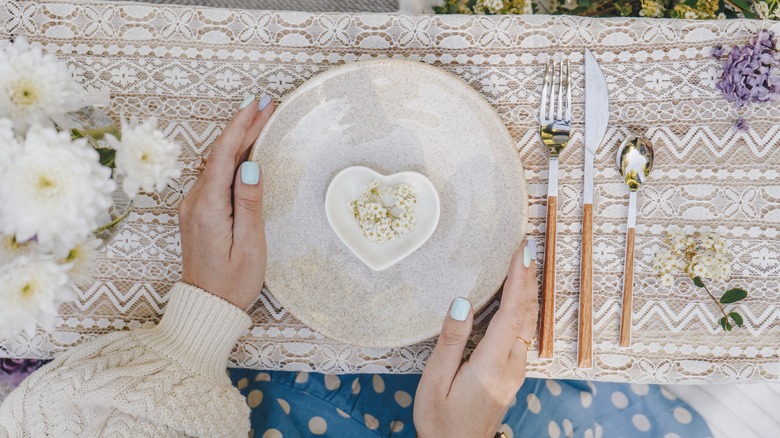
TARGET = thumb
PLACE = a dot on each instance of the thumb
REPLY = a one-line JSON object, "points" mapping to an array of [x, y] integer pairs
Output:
{"points": [[446, 358], [248, 205]]}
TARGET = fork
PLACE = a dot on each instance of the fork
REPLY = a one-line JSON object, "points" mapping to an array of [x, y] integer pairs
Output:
{"points": [[554, 130]]}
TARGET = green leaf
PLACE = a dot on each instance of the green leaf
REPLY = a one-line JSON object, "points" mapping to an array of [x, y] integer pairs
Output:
{"points": [[744, 6], [448, 7], [741, 4], [584, 3], [733, 295], [107, 156], [698, 282], [725, 324], [737, 318], [691, 3], [624, 9]]}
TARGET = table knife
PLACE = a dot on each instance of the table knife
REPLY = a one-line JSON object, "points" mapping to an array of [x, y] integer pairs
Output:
{"points": [[596, 119]]}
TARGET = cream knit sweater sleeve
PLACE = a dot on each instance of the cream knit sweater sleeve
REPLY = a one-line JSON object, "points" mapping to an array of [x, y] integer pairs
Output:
{"points": [[167, 381]]}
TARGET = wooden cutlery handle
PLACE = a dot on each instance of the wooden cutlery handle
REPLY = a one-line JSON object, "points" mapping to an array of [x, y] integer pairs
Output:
{"points": [[628, 284], [585, 340], [547, 329]]}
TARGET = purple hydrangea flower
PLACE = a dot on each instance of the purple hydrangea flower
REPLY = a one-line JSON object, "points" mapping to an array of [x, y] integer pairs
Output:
{"points": [[741, 125], [718, 51], [13, 371], [747, 71]]}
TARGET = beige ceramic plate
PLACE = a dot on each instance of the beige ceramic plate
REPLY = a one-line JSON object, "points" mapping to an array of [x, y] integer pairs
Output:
{"points": [[390, 116]]}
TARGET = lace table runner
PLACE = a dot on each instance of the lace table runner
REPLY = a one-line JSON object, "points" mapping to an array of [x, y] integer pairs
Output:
{"points": [[191, 66]]}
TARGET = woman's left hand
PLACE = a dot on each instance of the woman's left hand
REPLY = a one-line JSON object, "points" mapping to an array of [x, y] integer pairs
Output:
{"points": [[221, 218], [469, 399]]}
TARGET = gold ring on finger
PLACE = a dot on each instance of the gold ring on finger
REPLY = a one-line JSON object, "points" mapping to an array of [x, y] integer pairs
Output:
{"points": [[200, 164], [527, 343]]}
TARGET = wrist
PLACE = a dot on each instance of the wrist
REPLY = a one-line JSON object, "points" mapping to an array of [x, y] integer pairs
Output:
{"points": [[238, 293]]}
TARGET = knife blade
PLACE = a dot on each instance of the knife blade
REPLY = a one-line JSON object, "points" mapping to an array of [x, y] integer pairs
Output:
{"points": [[596, 120]]}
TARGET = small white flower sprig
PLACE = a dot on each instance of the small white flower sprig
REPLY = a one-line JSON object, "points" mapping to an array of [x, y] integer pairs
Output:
{"points": [[701, 257], [384, 214], [56, 184]]}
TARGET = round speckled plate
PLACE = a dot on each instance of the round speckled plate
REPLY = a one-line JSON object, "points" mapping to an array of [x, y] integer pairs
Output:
{"points": [[390, 116]]}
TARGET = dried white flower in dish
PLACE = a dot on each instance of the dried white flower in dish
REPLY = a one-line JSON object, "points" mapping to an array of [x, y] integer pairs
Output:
{"points": [[385, 213]]}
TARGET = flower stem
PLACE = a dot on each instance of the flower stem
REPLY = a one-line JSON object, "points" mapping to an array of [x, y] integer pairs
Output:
{"points": [[97, 133], [716, 301]]}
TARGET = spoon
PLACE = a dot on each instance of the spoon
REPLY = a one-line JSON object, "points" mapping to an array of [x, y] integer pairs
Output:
{"points": [[634, 161]]}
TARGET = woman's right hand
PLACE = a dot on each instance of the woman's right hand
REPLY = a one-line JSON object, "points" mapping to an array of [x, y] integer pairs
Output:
{"points": [[469, 399], [221, 218]]}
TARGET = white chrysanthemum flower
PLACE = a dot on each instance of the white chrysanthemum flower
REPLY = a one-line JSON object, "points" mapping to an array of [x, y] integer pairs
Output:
{"points": [[8, 139], [145, 157], [54, 191], [31, 288], [34, 86], [10, 249], [8, 143], [81, 259]]}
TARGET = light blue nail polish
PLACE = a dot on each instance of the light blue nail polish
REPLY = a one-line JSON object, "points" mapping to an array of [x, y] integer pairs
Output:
{"points": [[250, 173], [248, 98], [460, 309], [529, 252], [265, 100]]}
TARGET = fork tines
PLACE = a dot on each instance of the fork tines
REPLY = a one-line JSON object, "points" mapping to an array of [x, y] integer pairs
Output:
{"points": [[551, 81]]}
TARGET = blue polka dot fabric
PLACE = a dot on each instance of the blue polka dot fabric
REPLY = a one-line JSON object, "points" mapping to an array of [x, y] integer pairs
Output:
{"points": [[575, 408], [299, 404]]}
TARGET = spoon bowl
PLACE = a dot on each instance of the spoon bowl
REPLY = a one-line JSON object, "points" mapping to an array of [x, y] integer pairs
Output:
{"points": [[634, 161]]}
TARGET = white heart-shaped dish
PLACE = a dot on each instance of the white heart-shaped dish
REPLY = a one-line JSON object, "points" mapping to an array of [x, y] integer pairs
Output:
{"points": [[349, 184]]}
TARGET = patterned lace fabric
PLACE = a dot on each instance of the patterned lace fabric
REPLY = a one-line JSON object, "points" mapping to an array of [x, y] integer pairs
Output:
{"points": [[191, 66]]}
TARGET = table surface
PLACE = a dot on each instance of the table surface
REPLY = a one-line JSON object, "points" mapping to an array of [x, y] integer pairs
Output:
{"points": [[191, 66]]}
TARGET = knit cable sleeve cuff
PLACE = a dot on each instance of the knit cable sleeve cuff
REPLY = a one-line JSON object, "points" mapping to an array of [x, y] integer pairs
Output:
{"points": [[198, 330]]}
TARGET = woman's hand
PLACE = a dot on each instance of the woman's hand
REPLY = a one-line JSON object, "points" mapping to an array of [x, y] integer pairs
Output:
{"points": [[469, 399], [221, 218]]}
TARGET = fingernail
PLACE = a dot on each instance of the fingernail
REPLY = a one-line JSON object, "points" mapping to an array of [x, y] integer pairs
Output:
{"points": [[529, 253], [250, 173], [264, 101], [460, 309], [248, 98]]}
